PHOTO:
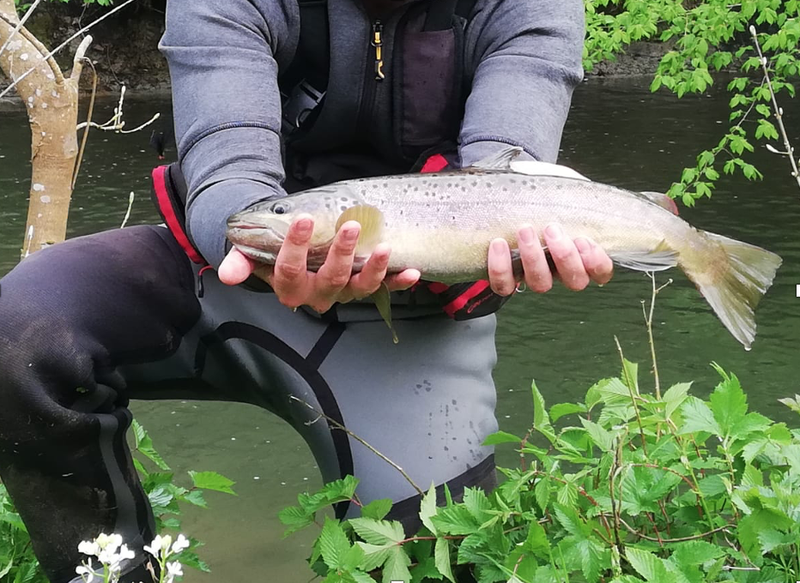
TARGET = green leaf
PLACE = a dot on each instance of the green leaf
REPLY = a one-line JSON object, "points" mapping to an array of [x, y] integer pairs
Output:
{"points": [[697, 417], [568, 518], [696, 552], [562, 409], [333, 544], [378, 532], [537, 542], [455, 520], [674, 397], [728, 403], [295, 518], [377, 509], [374, 555], [501, 437], [541, 421], [212, 481], [771, 539], [396, 566], [601, 438], [541, 492], [649, 566], [144, 445], [442, 557], [195, 497], [478, 504], [427, 509]]}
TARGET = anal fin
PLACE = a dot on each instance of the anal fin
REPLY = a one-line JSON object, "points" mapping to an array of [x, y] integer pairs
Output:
{"points": [[384, 304]]}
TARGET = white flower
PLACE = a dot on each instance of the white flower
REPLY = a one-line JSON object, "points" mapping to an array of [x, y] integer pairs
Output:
{"points": [[125, 553], [159, 546], [173, 570], [89, 548], [180, 545], [109, 542], [86, 572]]}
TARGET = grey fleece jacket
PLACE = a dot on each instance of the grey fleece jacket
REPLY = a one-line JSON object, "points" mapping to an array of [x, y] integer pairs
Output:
{"points": [[524, 57]]}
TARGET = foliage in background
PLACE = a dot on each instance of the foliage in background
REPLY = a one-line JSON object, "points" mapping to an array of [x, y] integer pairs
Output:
{"points": [[17, 561], [705, 37], [635, 487]]}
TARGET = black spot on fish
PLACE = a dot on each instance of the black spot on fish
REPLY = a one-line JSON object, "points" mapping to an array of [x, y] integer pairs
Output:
{"points": [[454, 402], [446, 448], [343, 199], [343, 207]]}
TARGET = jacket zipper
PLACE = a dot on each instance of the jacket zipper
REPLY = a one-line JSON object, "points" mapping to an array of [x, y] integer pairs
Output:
{"points": [[374, 74]]}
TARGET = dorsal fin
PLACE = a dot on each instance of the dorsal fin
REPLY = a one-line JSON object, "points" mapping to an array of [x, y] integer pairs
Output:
{"points": [[499, 161], [661, 200]]}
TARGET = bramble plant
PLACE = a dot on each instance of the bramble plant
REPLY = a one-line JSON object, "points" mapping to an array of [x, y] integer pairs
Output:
{"points": [[18, 564], [709, 36], [636, 487]]}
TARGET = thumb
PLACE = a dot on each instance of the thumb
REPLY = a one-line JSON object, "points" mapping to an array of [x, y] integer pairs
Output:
{"points": [[235, 268]]}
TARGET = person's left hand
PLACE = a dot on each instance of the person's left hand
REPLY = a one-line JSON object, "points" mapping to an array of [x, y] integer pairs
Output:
{"points": [[577, 262]]}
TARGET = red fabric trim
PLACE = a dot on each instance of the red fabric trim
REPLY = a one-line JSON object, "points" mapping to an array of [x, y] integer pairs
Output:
{"points": [[173, 224], [435, 163], [437, 287], [462, 300]]}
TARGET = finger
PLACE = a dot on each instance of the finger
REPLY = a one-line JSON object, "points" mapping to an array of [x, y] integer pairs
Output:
{"points": [[403, 280], [597, 264], [335, 273], [290, 280], [501, 274], [538, 276], [235, 268], [372, 274], [566, 258]]}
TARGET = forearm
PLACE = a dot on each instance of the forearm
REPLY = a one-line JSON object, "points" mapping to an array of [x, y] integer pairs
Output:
{"points": [[223, 59], [526, 58]]}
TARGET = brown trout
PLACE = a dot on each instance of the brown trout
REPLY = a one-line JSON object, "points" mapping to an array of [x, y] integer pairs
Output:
{"points": [[442, 224]]}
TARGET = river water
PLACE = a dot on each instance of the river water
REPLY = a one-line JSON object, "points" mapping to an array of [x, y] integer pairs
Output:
{"points": [[617, 133]]}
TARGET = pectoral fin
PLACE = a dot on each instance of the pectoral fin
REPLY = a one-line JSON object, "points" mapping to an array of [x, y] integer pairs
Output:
{"points": [[384, 305], [371, 220], [500, 161]]}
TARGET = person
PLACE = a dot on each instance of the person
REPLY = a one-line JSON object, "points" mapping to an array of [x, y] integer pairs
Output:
{"points": [[276, 96]]}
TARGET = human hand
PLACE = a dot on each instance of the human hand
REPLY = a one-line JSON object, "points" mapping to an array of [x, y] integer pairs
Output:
{"points": [[296, 286], [577, 262]]}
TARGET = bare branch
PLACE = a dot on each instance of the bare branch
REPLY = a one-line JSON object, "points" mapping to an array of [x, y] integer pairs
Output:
{"points": [[20, 24], [16, 81], [37, 45], [80, 57]]}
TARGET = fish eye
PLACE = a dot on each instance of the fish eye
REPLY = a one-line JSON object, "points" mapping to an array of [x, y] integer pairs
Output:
{"points": [[281, 208]]}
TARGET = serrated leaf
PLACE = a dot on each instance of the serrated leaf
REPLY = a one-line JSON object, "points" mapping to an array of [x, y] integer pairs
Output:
{"points": [[569, 519], [649, 566], [698, 417], [630, 375], [478, 504], [195, 497], [501, 437], [144, 445], [541, 421], [601, 438], [536, 542], [377, 509], [674, 397], [425, 570], [212, 481], [361, 577], [563, 409], [696, 552], [333, 544], [427, 509], [541, 492], [396, 566], [642, 488], [442, 558], [378, 532], [728, 403], [294, 518], [455, 520], [374, 555]]}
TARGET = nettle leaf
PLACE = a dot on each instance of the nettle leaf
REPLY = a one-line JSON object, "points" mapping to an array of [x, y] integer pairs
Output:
{"points": [[378, 532], [333, 544], [212, 481], [378, 509], [698, 417]]}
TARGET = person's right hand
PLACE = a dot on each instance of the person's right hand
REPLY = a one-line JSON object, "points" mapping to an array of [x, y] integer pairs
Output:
{"points": [[296, 286]]}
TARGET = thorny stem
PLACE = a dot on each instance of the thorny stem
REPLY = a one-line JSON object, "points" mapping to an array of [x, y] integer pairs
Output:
{"points": [[629, 384], [778, 110], [16, 81], [341, 427]]}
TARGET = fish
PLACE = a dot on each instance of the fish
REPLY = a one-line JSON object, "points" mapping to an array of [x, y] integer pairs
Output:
{"points": [[442, 224]]}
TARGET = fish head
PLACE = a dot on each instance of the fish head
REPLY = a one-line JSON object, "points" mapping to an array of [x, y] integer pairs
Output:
{"points": [[260, 230]]}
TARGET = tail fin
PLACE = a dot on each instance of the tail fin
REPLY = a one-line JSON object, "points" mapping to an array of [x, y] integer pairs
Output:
{"points": [[737, 285]]}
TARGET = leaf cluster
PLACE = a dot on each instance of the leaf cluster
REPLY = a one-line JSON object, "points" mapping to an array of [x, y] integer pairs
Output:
{"points": [[623, 487]]}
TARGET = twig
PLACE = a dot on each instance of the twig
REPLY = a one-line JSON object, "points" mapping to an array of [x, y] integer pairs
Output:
{"points": [[16, 81], [629, 383], [778, 110], [648, 319], [40, 48], [341, 427], [20, 24], [671, 540], [85, 136], [128, 214]]}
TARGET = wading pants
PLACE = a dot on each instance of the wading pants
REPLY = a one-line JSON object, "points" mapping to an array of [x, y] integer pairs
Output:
{"points": [[89, 324]]}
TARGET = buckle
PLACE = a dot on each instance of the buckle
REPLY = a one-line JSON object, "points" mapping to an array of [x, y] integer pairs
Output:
{"points": [[299, 105]]}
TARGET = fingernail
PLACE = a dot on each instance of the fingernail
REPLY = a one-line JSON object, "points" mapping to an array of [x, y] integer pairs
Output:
{"points": [[554, 232], [583, 244], [304, 226], [350, 235], [498, 246], [526, 235]]}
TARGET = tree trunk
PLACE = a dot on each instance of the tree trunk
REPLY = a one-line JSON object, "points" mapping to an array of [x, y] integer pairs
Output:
{"points": [[52, 103]]}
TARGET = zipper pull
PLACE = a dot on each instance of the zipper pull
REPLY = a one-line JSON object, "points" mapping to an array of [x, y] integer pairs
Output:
{"points": [[377, 42]]}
